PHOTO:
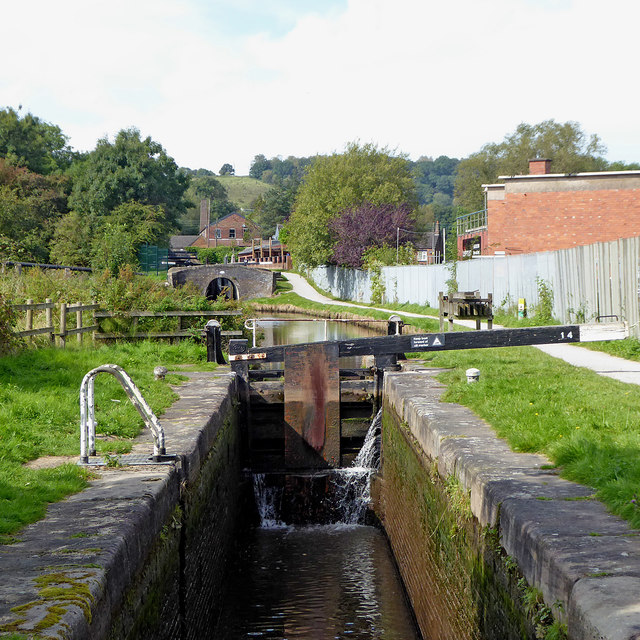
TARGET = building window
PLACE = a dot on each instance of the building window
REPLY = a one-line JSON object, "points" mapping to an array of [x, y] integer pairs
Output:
{"points": [[218, 233], [232, 233]]}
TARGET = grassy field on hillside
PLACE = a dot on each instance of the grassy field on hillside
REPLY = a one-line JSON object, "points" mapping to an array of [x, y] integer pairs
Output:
{"points": [[243, 190]]}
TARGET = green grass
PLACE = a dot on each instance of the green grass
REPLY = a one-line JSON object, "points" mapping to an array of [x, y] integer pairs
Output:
{"points": [[243, 190], [512, 321], [289, 299], [589, 426], [39, 416], [629, 348]]}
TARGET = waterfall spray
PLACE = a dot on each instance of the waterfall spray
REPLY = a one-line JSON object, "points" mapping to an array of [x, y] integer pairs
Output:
{"points": [[353, 484]]}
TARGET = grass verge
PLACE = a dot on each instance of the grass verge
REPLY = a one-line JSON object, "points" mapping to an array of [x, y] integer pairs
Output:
{"points": [[629, 348], [292, 302], [589, 426], [39, 416]]}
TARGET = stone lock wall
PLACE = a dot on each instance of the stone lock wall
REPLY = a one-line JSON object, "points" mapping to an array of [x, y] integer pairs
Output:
{"points": [[491, 543], [141, 553], [178, 593], [453, 569]]}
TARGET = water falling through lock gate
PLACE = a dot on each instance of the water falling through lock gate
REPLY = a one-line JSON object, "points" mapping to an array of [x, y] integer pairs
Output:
{"points": [[350, 487], [314, 581]]}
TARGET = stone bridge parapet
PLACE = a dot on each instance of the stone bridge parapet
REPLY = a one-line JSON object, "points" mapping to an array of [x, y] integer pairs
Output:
{"points": [[241, 282]]}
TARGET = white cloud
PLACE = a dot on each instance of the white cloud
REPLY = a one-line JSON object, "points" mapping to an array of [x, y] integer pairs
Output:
{"points": [[425, 77]]}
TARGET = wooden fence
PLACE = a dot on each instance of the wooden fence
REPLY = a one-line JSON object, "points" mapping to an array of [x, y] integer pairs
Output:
{"points": [[34, 325]]}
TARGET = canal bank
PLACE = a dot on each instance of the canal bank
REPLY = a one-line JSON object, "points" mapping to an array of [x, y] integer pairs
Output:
{"points": [[141, 553], [490, 542]]}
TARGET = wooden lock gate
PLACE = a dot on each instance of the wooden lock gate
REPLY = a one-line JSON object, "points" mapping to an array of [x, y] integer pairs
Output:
{"points": [[312, 375]]}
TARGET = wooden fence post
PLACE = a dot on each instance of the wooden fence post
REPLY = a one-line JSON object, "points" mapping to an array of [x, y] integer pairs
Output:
{"points": [[63, 324], [95, 322], [49, 320], [79, 321], [29, 319]]}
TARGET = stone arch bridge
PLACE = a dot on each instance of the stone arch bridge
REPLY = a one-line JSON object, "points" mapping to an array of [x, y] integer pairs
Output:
{"points": [[232, 281]]}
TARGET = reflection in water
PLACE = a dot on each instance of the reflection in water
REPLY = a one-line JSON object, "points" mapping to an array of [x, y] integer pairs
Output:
{"points": [[317, 583], [297, 330]]}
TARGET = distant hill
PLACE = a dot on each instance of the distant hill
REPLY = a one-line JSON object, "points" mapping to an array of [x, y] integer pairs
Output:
{"points": [[243, 190]]}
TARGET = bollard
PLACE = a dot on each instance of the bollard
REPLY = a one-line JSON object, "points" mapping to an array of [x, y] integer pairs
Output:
{"points": [[473, 375], [213, 335], [394, 328], [159, 373]]}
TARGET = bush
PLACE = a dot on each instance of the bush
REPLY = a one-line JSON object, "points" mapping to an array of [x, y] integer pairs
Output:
{"points": [[7, 325], [213, 255]]}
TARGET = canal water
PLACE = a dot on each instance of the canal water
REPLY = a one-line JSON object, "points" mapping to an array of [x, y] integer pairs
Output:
{"points": [[292, 329], [318, 582]]}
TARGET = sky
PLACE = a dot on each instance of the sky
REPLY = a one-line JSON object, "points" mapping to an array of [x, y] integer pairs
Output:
{"points": [[219, 82]]}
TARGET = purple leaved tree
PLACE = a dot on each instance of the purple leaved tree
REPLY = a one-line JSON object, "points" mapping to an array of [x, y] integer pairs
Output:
{"points": [[364, 226]]}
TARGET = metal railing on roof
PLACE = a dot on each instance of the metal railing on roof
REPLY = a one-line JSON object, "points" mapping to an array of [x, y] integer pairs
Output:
{"points": [[470, 222]]}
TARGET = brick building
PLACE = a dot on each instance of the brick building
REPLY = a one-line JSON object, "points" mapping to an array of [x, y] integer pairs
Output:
{"points": [[546, 211], [234, 230]]}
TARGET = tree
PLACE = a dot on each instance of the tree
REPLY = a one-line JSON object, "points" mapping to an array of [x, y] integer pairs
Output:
{"points": [[33, 143], [366, 226], [209, 187], [568, 147], [30, 206], [72, 237], [227, 170], [129, 169], [259, 165], [273, 208], [333, 184]]}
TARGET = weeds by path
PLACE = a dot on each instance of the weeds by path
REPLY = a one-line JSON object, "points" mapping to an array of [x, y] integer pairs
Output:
{"points": [[39, 416]]}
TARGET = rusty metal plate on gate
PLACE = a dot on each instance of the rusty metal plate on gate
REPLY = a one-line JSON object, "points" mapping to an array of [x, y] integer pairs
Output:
{"points": [[312, 406]]}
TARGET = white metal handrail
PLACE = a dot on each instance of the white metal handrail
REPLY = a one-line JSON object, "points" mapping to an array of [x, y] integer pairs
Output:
{"points": [[88, 416]]}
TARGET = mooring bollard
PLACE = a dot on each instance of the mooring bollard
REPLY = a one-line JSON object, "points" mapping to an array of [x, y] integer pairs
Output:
{"points": [[394, 328], [159, 373], [213, 336], [473, 375]]}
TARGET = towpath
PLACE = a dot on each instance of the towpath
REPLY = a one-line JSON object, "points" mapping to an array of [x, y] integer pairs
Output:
{"points": [[602, 363]]}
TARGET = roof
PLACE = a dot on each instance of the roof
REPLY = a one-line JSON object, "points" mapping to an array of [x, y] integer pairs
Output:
{"points": [[181, 242], [554, 176]]}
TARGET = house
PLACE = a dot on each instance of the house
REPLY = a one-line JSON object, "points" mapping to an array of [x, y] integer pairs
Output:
{"points": [[233, 230], [545, 211], [430, 247]]}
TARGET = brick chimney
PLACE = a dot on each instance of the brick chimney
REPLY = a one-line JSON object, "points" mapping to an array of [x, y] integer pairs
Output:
{"points": [[539, 166], [205, 215]]}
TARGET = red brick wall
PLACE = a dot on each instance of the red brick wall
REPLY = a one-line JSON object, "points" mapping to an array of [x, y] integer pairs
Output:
{"points": [[552, 220]]}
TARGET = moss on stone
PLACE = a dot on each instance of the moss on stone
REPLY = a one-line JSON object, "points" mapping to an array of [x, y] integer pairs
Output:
{"points": [[58, 591], [478, 588]]}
